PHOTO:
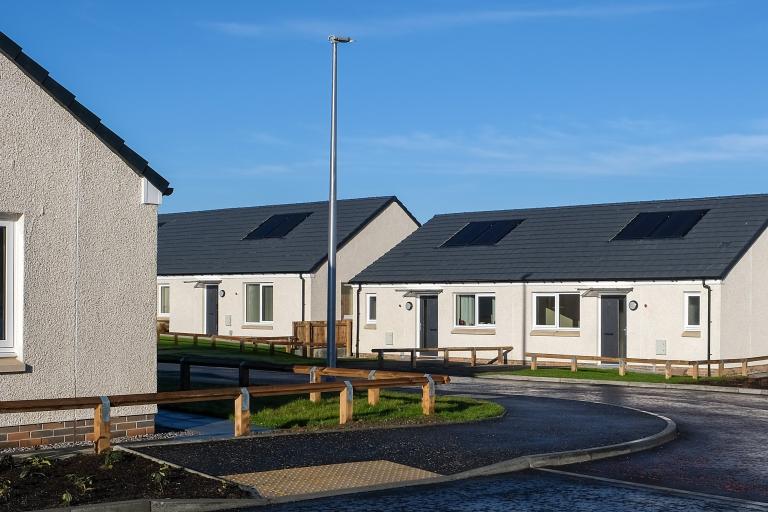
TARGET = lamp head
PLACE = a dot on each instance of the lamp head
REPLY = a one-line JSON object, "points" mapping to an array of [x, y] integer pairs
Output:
{"points": [[340, 39]]}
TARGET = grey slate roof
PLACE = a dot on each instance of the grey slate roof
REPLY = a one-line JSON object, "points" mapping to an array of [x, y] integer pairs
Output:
{"points": [[573, 243], [211, 242], [66, 99]]}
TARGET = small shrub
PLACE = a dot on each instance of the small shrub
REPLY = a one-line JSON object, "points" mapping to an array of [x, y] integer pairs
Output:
{"points": [[5, 490], [34, 466], [83, 484], [66, 498], [111, 458], [160, 477]]}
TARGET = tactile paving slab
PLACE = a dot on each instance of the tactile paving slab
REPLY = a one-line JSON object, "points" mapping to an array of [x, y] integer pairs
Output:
{"points": [[331, 477]]}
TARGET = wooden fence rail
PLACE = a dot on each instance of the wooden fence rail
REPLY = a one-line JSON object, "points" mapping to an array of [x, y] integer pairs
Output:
{"points": [[317, 372], [500, 359], [694, 365], [287, 342], [241, 397]]}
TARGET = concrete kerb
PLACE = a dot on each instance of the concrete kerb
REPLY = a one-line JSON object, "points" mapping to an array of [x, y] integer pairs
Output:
{"points": [[145, 505], [512, 465], [593, 382], [517, 464]]}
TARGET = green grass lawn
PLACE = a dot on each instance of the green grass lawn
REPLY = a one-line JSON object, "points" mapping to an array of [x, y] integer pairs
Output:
{"points": [[284, 412], [602, 374], [227, 350]]}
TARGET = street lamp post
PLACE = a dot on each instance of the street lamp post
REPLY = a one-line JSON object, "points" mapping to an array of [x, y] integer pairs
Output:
{"points": [[331, 309]]}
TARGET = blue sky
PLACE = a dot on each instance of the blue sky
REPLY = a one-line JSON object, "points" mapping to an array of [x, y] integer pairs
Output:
{"points": [[450, 105]]}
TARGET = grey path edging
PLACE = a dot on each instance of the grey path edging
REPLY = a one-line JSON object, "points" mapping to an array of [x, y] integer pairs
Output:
{"points": [[653, 385], [199, 505], [517, 464]]}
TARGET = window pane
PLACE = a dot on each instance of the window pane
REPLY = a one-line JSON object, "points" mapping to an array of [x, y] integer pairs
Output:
{"points": [[545, 310], [252, 302], [165, 299], [694, 310], [486, 310], [465, 310], [570, 305], [2, 283], [372, 307], [266, 304]]}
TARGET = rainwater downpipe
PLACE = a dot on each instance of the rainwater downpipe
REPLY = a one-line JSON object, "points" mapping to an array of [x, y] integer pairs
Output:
{"points": [[357, 321], [303, 296], [709, 325]]}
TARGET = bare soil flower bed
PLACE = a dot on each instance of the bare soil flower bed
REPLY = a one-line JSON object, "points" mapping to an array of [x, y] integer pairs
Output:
{"points": [[38, 482]]}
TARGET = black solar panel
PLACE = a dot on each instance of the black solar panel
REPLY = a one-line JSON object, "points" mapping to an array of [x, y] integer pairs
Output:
{"points": [[277, 226], [482, 233], [660, 225]]}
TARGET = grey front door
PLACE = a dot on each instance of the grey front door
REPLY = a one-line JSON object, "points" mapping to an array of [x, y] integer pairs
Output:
{"points": [[428, 321], [613, 326], [211, 310]]}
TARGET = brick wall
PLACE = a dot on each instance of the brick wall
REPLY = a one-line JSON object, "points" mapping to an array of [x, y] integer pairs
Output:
{"points": [[73, 431]]}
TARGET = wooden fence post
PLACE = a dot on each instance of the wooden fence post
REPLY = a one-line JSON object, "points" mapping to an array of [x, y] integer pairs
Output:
{"points": [[413, 358], [244, 375], [500, 361], [242, 344], [311, 338], [668, 370], [534, 363], [473, 354], [314, 378], [720, 369], [213, 341], [446, 359], [373, 394], [574, 364], [744, 368], [695, 371], [185, 375], [194, 340], [622, 367], [428, 396], [101, 425], [380, 360], [243, 413], [346, 403]]}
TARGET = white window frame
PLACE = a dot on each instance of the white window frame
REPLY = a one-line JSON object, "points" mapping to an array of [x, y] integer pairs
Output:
{"points": [[687, 326], [8, 342], [557, 326], [477, 324], [160, 311], [261, 304], [368, 297]]}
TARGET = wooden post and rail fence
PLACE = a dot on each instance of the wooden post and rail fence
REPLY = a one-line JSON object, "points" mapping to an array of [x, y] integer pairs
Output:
{"points": [[692, 365], [307, 336], [502, 354], [357, 380]]}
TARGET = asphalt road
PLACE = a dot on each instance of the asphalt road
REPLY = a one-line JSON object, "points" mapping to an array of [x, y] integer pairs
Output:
{"points": [[722, 446]]}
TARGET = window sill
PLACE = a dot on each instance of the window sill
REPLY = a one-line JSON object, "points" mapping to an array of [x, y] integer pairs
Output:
{"points": [[370, 326], [264, 327], [556, 332], [164, 317], [474, 330], [12, 365], [691, 334]]}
